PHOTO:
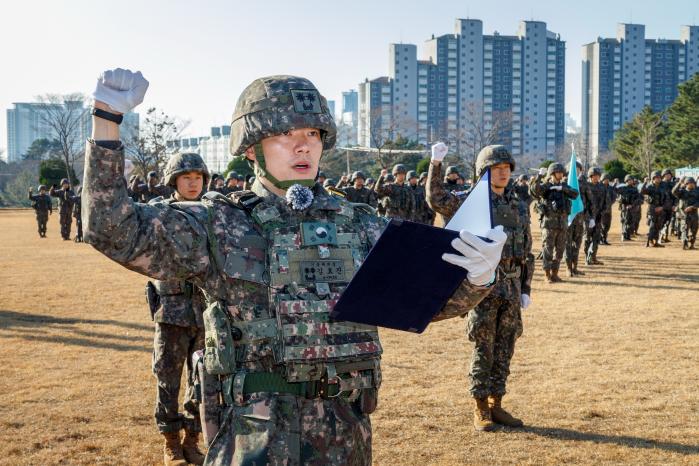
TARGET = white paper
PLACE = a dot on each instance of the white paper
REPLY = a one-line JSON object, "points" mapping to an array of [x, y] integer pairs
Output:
{"points": [[474, 213]]}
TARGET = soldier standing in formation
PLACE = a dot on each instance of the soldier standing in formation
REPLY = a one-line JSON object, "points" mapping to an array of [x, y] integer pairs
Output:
{"points": [[358, 193], [595, 208], [176, 307], [636, 211], [288, 397], [496, 323], [577, 228], [555, 197], [77, 213], [65, 197], [451, 179], [607, 214], [686, 192], [43, 207], [670, 205], [656, 198], [628, 198], [151, 189], [231, 183], [423, 213], [396, 196]]}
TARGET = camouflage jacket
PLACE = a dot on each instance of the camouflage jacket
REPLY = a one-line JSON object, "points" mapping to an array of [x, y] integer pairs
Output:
{"points": [[423, 213], [180, 302], [687, 199], [655, 195], [145, 193], [670, 200], [628, 196], [555, 204], [598, 201], [611, 197], [361, 196], [65, 199], [398, 199], [219, 247], [41, 202], [516, 268]]}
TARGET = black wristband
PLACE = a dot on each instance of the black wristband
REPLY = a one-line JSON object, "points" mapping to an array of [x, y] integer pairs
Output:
{"points": [[99, 113]]}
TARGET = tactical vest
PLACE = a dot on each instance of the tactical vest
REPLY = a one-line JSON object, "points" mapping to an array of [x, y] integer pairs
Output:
{"points": [[508, 215], [307, 264]]}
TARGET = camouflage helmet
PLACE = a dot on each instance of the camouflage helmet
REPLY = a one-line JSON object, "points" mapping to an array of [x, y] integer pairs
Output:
{"points": [[232, 176], [690, 180], [183, 162], [321, 174], [628, 178], [411, 174], [390, 178], [592, 171], [522, 178], [655, 174], [357, 174], [555, 168], [493, 155], [399, 168], [423, 175], [451, 169], [667, 171], [64, 181], [42, 187], [328, 183], [274, 104], [152, 174], [605, 176]]}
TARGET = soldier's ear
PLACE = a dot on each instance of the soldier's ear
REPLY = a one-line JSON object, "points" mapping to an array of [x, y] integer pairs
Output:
{"points": [[250, 153]]}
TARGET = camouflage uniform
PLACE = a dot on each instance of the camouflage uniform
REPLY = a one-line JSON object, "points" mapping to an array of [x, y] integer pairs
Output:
{"points": [[423, 213], [688, 205], [496, 323], [296, 386], [146, 192], [670, 205], [578, 227], [607, 214], [556, 205], [362, 195], [451, 185], [65, 205], [77, 213], [398, 199], [594, 210], [628, 198], [43, 206], [656, 198]]}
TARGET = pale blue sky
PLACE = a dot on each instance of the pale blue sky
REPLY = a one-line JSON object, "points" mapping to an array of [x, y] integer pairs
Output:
{"points": [[198, 56]]}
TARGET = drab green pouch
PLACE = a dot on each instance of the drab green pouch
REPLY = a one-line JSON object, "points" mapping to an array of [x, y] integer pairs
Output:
{"points": [[219, 352]]}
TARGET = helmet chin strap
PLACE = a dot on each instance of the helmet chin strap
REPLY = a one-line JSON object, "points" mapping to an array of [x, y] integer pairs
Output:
{"points": [[260, 169]]}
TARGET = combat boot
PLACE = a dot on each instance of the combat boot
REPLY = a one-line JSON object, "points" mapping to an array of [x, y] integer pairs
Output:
{"points": [[190, 447], [482, 419], [575, 269], [554, 276], [172, 451], [571, 270], [548, 276], [501, 416], [685, 245]]}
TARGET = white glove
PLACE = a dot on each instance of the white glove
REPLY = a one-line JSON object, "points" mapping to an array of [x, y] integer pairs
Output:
{"points": [[121, 89], [557, 187], [591, 223], [525, 300], [479, 257], [439, 151], [128, 168], [542, 171]]}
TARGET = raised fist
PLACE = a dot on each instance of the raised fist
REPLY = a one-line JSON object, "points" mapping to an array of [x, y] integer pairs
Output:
{"points": [[439, 151], [384, 172], [121, 89]]}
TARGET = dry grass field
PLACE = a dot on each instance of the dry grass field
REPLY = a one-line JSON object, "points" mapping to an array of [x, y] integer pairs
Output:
{"points": [[607, 371]]}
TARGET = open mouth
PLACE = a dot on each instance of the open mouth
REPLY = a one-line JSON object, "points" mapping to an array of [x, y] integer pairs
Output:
{"points": [[302, 166]]}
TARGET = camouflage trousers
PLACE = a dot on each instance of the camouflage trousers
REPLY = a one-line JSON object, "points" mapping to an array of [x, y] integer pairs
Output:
{"points": [[79, 228], [172, 349], [606, 224], [626, 222], [276, 429], [636, 218], [574, 238], [554, 243], [494, 326], [592, 238], [655, 224], [690, 225], [65, 221], [42, 217]]}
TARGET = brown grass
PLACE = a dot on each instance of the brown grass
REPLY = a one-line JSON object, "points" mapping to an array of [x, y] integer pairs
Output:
{"points": [[606, 371]]}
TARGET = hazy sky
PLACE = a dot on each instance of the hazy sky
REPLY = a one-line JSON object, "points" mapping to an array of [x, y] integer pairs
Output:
{"points": [[198, 56]]}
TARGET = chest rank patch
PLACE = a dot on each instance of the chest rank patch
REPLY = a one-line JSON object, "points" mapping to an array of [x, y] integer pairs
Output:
{"points": [[306, 101], [317, 233]]}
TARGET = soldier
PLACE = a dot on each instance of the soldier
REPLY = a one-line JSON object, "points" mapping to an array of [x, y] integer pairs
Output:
{"points": [[555, 196], [422, 181], [132, 187], [628, 198], [370, 183], [152, 188], [231, 183], [423, 213], [595, 209], [43, 207], [655, 196], [65, 205], [176, 307], [607, 214], [496, 323], [451, 179], [397, 197], [686, 192], [77, 213], [577, 228], [241, 182], [521, 188], [670, 205], [358, 193], [636, 210], [296, 386], [321, 178]]}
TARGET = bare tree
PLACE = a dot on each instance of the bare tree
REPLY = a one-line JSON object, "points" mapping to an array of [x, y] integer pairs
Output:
{"points": [[148, 147], [67, 117], [384, 129], [478, 131]]}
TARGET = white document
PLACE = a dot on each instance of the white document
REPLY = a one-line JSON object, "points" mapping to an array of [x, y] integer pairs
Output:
{"points": [[474, 214]]}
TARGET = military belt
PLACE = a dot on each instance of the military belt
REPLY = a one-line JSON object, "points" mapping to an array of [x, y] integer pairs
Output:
{"points": [[325, 388]]}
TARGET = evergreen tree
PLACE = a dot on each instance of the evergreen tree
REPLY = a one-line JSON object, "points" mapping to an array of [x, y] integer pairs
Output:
{"points": [[681, 145]]}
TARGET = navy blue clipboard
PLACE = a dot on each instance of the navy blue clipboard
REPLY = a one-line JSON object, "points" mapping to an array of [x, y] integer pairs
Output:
{"points": [[403, 282]]}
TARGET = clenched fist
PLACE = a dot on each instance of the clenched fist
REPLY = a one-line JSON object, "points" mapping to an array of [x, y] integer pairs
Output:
{"points": [[121, 89], [439, 151]]}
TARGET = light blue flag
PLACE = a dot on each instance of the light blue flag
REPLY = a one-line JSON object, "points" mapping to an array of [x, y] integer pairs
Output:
{"points": [[577, 206]]}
